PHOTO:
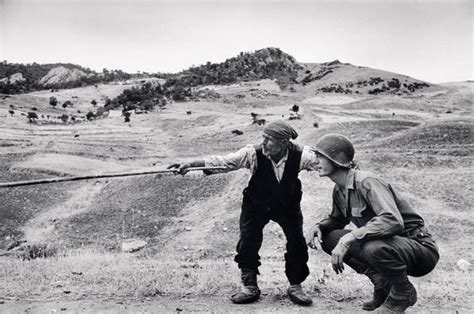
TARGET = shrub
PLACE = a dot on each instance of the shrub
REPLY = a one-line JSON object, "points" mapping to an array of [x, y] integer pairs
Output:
{"points": [[394, 83], [90, 115], [64, 117], [126, 114], [53, 101], [67, 103], [35, 251], [32, 116]]}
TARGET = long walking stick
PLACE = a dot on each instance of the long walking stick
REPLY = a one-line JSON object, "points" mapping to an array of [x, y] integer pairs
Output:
{"points": [[98, 176]]}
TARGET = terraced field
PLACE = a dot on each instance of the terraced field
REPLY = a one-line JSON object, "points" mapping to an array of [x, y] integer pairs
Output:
{"points": [[422, 143]]}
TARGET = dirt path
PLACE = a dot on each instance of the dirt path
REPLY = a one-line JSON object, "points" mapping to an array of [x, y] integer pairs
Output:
{"points": [[162, 304], [207, 303]]}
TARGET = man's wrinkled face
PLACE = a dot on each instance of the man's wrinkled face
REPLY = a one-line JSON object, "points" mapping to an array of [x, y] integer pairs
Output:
{"points": [[273, 146], [325, 166]]}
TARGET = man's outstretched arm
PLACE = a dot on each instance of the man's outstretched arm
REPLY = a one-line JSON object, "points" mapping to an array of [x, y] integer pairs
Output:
{"points": [[244, 158], [183, 166]]}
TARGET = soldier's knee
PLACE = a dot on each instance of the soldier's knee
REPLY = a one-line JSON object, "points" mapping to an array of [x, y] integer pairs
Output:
{"points": [[375, 250]]}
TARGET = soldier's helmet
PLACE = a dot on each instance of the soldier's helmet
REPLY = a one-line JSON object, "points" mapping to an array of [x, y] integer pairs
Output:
{"points": [[337, 148]]}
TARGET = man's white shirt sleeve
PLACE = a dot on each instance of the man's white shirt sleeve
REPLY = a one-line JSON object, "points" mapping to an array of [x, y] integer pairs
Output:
{"points": [[245, 157], [308, 159]]}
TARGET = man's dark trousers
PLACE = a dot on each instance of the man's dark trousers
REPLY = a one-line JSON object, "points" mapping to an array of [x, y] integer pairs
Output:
{"points": [[252, 223], [391, 257]]}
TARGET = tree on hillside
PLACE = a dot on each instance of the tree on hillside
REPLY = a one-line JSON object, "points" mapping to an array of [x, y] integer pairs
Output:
{"points": [[53, 101], [93, 102], [32, 116], [90, 115], [11, 112], [126, 114], [64, 117]]}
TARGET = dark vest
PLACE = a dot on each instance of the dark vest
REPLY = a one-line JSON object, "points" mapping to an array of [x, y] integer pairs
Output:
{"points": [[264, 192]]}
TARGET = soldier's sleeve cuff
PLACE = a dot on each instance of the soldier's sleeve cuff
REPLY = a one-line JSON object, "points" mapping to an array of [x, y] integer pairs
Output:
{"points": [[359, 233]]}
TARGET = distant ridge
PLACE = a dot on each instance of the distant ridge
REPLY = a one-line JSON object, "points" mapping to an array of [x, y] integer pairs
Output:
{"points": [[33, 71], [267, 63], [272, 63], [20, 78]]}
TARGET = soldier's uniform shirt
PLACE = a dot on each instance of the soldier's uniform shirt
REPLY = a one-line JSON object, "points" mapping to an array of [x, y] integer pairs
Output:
{"points": [[373, 206]]}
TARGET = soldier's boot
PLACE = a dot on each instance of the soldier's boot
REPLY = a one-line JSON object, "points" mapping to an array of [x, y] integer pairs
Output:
{"points": [[381, 284], [249, 291], [402, 295], [298, 296], [381, 291]]}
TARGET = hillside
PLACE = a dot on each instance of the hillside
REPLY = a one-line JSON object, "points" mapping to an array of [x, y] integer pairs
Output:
{"points": [[207, 82], [267, 63], [274, 64], [345, 78], [34, 72], [21, 78]]}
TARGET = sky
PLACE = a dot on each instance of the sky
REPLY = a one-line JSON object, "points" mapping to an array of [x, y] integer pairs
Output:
{"points": [[425, 39]]}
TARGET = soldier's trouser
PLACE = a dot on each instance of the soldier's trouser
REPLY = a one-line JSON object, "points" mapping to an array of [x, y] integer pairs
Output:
{"points": [[391, 257], [251, 235]]}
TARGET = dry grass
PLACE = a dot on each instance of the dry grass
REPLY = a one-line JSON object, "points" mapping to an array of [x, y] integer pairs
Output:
{"points": [[89, 273]]}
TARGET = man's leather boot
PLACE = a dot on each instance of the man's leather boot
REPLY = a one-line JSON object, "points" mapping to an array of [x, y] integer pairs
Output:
{"points": [[402, 295], [298, 296], [249, 292], [381, 291]]}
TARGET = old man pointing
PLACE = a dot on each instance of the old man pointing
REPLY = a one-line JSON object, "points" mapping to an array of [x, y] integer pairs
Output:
{"points": [[273, 193]]}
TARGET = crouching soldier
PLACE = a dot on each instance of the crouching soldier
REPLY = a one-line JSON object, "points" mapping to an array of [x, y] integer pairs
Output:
{"points": [[273, 193], [390, 240]]}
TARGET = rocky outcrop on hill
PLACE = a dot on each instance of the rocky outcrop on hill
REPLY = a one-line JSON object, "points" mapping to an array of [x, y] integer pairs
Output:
{"points": [[17, 77], [61, 75]]}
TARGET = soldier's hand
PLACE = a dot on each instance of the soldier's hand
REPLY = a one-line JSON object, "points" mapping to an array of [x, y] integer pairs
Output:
{"points": [[337, 257], [181, 168], [341, 249], [313, 234]]}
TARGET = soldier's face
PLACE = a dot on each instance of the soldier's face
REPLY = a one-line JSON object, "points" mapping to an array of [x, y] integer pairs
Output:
{"points": [[272, 146], [325, 167]]}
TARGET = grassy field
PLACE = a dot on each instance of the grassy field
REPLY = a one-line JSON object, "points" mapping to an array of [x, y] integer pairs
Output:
{"points": [[190, 223]]}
